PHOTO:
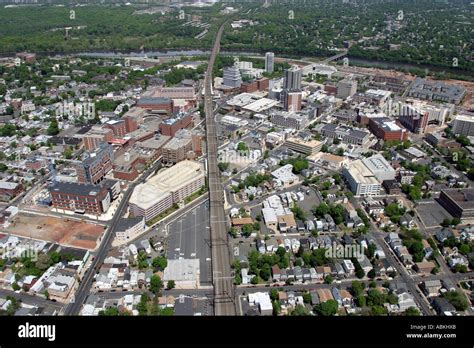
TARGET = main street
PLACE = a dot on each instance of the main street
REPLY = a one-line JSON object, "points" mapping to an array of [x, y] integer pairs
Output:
{"points": [[223, 280], [86, 283]]}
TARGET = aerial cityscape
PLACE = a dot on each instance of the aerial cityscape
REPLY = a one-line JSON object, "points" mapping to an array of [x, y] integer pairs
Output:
{"points": [[237, 158]]}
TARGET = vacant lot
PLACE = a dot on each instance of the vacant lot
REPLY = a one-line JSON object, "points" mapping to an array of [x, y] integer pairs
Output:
{"points": [[63, 231]]}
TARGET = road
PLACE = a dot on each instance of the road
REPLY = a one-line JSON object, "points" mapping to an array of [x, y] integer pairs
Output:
{"points": [[223, 281], [412, 285], [84, 287], [32, 300]]}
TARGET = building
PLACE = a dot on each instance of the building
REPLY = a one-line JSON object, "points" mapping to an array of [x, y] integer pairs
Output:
{"points": [[9, 190], [293, 77], [458, 202], [289, 120], [436, 114], [464, 125], [308, 147], [96, 165], [177, 149], [345, 134], [128, 229], [269, 62], [261, 300], [361, 180], [170, 126], [118, 127], [292, 100], [438, 91], [412, 119], [284, 175], [346, 88], [156, 104], [387, 129], [232, 77], [83, 198], [379, 167], [375, 97], [167, 188], [185, 93], [95, 136]]}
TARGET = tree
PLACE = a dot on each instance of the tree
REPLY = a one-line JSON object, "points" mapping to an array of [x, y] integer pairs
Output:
{"points": [[357, 288], [142, 260], [111, 311], [170, 285], [412, 311], [328, 279], [299, 310], [307, 297], [378, 310], [360, 273], [53, 128], [299, 213], [223, 166], [160, 263], [142, 306], [43, 262], [167, 311], [321, 210], [156, 284], [68, 153], [265, 271], [247, 230], [327, 308], [274, 295]]}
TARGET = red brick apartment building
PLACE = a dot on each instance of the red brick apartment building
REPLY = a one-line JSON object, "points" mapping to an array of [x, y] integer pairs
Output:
{"points": [[387, 129], [172, 125], [91, 199]]}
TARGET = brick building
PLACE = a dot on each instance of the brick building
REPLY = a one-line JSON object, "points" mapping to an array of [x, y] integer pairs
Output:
{"points": [[93, 168], [172, 125]]}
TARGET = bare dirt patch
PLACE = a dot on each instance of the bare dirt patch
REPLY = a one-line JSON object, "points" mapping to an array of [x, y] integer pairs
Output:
{"points": [[64, 231]]}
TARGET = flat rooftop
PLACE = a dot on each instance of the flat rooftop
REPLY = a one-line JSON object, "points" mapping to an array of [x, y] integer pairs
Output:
{"points": [[309, 142], [359, 171], [464, 197], [170, 180]]}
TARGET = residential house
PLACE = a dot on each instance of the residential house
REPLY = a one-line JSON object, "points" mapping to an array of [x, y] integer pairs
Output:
{"points": [[432, 287]]}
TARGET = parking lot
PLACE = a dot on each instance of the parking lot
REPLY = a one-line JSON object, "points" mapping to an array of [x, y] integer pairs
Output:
{"points": [[189, 238], [432, 213]]}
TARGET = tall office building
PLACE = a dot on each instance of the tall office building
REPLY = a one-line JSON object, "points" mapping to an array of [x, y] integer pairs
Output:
{"points": [[293, 78], [232, 77], [292, 100], [269, 62]]}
